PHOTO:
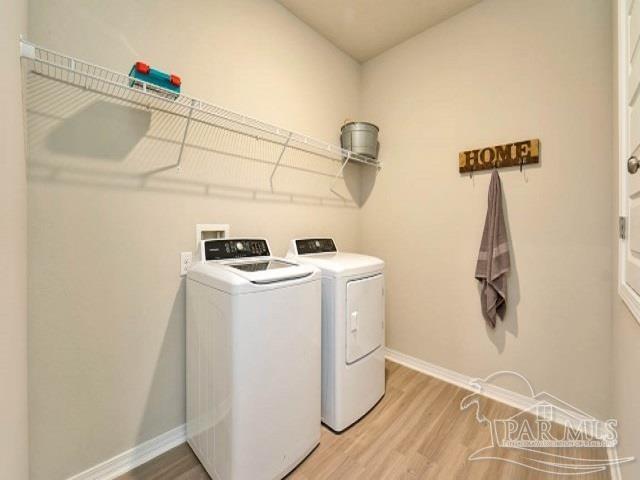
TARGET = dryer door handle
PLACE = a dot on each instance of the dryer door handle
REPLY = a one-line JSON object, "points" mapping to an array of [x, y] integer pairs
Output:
{"points": [[354, 322]]}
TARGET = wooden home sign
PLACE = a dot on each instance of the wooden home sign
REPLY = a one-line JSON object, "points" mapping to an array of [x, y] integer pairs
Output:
{"points": [[513, 154]]}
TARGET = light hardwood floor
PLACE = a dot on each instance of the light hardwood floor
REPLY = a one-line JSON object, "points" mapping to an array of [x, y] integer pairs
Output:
{"points": [[416, 432]]}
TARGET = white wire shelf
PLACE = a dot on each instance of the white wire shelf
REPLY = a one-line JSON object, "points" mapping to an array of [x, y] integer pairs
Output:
{"points": [[104, 81]]}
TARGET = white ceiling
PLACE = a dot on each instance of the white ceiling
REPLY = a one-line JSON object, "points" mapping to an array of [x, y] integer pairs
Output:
{"points": [[365, 28]]}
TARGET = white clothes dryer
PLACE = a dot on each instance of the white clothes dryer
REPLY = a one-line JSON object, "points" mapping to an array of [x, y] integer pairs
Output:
{"points": [[353, 329]]}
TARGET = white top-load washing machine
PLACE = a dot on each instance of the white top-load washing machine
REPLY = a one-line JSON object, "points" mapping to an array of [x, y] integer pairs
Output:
{"points": [[253, 360], [353, 378]]}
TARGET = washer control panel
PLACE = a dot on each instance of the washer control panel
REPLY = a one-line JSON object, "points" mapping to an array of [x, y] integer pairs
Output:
{"points": [[308, 246], [223, 249]]}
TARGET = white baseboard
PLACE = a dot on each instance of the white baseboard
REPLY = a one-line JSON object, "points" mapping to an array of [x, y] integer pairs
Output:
{"points": [[502, 395], [126, 461]]}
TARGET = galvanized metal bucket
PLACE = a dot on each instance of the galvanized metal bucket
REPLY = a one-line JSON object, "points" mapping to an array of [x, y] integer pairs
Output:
{"points": [[360, 138]]}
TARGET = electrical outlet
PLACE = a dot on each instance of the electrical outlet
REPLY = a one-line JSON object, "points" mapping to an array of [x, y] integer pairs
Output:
{"points": [[185, 262]]}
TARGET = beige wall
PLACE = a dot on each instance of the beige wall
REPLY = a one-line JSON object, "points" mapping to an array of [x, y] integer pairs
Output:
{"points": [[106, 302], [500, 71], [13, 254], [625, 342]]}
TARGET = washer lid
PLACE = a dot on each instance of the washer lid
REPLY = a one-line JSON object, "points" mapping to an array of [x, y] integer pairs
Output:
{"points": [[260, 265], [267, 270], [251, 275]]}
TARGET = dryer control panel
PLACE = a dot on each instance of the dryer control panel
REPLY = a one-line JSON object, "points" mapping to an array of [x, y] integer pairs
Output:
{"points": [[230, 248], [308, 246]]}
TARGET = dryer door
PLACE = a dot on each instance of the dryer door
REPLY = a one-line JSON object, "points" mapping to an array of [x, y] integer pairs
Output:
{"points": [[365, 316]]}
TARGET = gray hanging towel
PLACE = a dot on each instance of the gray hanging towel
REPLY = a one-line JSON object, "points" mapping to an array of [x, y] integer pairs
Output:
{"points": [[493, 258]]}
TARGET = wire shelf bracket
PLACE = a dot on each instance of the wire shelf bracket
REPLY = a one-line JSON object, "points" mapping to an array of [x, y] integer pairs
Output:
{"points": [[275, 167], [184, 135], [332, 188]]}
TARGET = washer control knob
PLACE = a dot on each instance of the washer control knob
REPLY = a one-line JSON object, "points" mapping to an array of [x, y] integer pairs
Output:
{"points": [[239, 246]]}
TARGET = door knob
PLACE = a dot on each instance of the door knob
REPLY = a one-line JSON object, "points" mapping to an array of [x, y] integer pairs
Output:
{"points": [[633, 164]]}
